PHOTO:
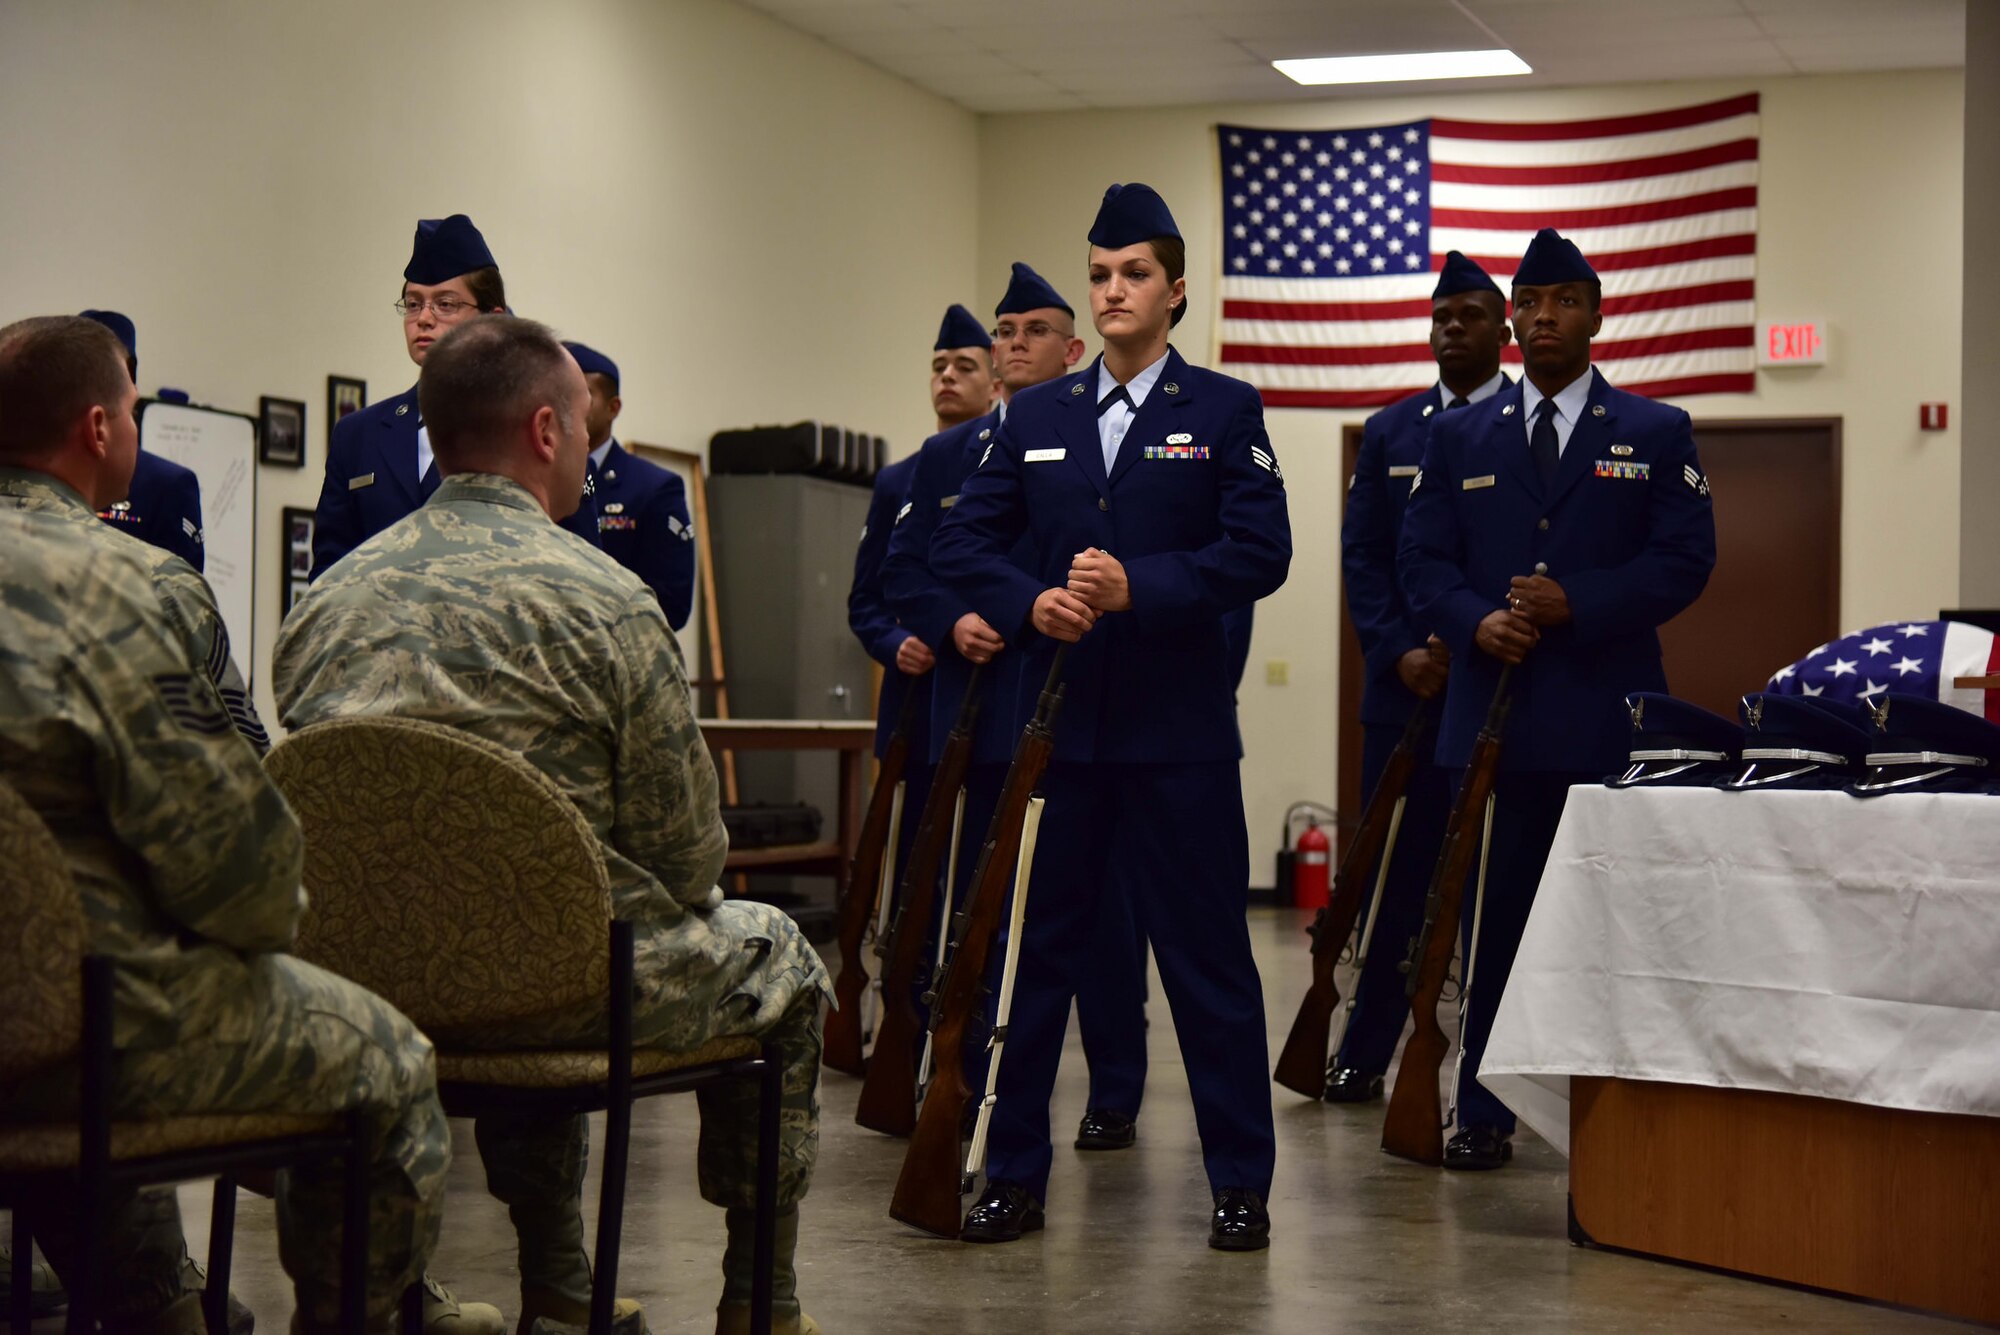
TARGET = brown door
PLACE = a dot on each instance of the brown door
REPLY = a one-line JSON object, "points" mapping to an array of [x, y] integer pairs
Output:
{"points": [[1774, 595]]}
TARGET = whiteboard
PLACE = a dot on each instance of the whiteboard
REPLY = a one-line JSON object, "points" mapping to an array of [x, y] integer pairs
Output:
{"points": [[221, 449]]}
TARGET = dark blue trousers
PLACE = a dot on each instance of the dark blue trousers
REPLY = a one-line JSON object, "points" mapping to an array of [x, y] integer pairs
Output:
{"points": [[1375, 1025], [1527, 808], [1172, 839]]}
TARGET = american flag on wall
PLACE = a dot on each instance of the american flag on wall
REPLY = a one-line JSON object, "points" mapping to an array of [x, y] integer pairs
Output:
{"points": [[1332, 239]]}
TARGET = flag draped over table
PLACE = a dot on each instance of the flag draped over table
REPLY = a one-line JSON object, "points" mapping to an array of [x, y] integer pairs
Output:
{"points": [[1904, 658], [1332, 238]]}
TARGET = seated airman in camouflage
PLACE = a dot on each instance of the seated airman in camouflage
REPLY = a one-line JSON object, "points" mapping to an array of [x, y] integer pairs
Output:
{"points": [[113, 662], [479, 612]]}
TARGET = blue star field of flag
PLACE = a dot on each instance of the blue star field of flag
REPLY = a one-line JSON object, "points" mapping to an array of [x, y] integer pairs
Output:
{"points": [[1326, 203], [1902, 657]]}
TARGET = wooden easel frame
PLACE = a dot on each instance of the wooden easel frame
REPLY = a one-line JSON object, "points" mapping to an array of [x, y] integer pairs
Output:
{"points": [[713, 675]]}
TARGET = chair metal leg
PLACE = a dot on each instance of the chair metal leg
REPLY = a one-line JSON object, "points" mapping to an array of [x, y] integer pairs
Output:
{"points": [[94, 1159], [770, 1090], [21, 1274], [354, 1229], [221, 1246], [617, 1133]]}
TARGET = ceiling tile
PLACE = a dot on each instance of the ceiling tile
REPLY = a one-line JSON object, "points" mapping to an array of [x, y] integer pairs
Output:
{"points": [[1113, 53]]}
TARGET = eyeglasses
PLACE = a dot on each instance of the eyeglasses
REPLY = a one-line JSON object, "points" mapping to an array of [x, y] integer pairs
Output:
{"points": [[445, 308], [1034, 329]]}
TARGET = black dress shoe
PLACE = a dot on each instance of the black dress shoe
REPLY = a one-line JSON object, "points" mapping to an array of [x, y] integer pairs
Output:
{"points": [[1003, 1213], [1344, 1084], [1477, 1148], [1103, 1129], [1240, 1222]]}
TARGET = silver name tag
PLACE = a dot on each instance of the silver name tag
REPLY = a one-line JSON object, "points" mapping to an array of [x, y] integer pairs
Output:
{"points": [[1475, 483], [1044, 456]]}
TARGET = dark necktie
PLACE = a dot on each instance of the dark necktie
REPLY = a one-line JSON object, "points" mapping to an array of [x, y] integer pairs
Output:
{"points": [[1117, 395], [1542, 441], [1455, 403]]}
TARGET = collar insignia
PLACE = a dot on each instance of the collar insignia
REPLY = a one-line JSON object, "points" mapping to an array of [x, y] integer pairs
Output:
{"points": [[402, 408], [1597, 410]]}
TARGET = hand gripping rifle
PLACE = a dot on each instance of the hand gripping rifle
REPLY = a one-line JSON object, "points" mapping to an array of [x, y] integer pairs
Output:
{"points": [[1302, 1064], [888, 1100], [873, 851], [929, 1190], [1414, 1128]]}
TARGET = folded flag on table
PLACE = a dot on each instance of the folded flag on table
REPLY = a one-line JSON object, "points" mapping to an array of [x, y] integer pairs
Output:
{"points": [[1903, 657]]}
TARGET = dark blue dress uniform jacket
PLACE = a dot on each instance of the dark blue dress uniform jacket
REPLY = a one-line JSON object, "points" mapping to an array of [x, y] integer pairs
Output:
{"points": [[875, 625], [371, 477], [928, 606], [1392, 450], [371, 480], [163, 507], [1200, 526], [643, 525], [1625, 527]]}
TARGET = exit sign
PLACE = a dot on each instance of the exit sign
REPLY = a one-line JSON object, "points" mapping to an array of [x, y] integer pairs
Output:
{"points": [[1800, 343]]}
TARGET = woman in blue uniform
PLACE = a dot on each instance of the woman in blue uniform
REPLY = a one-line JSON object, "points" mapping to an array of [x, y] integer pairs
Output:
{"points": [[1153, 506]]}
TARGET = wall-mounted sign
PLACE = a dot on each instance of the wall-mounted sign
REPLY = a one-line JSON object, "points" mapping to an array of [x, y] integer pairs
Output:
{"points": [[1798, 343]]}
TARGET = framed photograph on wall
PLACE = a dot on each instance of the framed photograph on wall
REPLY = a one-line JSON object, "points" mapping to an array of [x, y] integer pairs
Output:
{"points": [[344, 395], [297, 556], [281, 432]]}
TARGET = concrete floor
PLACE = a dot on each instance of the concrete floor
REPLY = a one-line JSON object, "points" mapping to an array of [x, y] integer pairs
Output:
{"points": [[1362, 1242]]}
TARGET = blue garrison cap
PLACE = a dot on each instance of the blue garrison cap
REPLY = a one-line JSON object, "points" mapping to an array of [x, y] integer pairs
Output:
{"points": [[1029, 291], [120, 325], [1798, 741], [1553, 258], [961, 329], [446, 248], [1677, 744], [1131, 214], [1462, 275], [594, 362], [1920, 745]]}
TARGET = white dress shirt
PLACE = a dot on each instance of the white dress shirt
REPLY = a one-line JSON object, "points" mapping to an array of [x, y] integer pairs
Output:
{"points": [[1569, 401], [424, 455], [1115, 421]]}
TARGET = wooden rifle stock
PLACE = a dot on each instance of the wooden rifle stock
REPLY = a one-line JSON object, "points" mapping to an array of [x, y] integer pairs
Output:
{"points": [[841, 1040], [1414, 1127], [928, 1191], [1302, 1063], [888, 1100]]}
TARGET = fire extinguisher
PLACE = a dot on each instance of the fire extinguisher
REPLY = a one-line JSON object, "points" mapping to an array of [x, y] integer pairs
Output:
{"points": [[1312, 868]]}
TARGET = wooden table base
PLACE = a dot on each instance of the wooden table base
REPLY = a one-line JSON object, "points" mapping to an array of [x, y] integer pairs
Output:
{"points": [[1901, 1207]]}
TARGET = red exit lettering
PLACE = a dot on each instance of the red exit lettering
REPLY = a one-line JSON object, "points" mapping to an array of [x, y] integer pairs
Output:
{"points": [[1793, 342]]}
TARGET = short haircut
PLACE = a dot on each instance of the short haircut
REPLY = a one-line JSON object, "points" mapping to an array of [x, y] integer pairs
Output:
{"points": [[489, 292], [54, 369], [483, 379]]}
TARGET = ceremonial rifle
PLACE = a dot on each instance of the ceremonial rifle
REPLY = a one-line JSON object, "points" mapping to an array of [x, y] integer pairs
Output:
{"points": [[842, 1039], [930, 1188], [1302, 1064], [1414, 1128], [888, 1100]]}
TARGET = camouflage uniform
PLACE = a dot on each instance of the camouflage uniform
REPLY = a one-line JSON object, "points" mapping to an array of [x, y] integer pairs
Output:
{"points": [[479, 613], [187, 861]]}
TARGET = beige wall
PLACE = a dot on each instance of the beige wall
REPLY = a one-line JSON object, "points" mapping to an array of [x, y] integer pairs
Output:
{"points": [[724, 206], [762, 229], [1859, 226], [1979, 474]]}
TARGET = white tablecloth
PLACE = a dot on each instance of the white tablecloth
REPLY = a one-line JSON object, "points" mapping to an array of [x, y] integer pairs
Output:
{"points": [[1800, 942]]}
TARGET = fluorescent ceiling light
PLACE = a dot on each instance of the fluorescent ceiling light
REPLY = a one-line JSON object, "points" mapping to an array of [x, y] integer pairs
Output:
{"points": [[1397, 69]]}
